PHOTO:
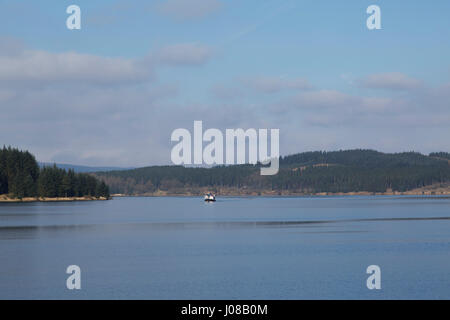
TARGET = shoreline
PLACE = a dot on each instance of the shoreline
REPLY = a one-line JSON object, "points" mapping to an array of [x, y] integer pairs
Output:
{"points": [[6, 199], [287, 195], [437, 189]]}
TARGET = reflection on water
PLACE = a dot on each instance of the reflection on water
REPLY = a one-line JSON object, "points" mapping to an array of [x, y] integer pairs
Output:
{"points": [[218, 224], [236, 248]]}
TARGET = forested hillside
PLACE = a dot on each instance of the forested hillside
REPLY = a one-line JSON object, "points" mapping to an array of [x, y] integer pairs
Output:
{"points": [[309, 172], [442, 155], [20, 177]]}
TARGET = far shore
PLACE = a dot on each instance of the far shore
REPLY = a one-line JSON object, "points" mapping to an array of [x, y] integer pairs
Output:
{"points": [[6, 199], [445, 193]]}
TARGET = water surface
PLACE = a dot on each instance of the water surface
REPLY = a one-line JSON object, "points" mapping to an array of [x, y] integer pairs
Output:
{"points": [[235, 248]]}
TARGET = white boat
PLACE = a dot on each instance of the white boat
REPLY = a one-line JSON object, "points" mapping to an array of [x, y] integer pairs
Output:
{"points": [[209, 197]]}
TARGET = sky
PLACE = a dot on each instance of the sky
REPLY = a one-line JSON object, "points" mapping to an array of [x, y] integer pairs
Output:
{"points": [[112, 93]]}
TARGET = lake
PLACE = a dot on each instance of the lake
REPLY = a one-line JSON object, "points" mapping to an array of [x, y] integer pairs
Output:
{"points": [[235, 248]]}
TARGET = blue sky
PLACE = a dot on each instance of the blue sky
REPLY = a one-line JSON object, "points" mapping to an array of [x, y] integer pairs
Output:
{"points": [[310, 68]]}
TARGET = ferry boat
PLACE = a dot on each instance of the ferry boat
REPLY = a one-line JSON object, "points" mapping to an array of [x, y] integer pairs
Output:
{"points": [[209, 197]]}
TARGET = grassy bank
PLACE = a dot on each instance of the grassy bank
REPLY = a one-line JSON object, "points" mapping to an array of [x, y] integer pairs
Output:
{"points": [[5, 198]]}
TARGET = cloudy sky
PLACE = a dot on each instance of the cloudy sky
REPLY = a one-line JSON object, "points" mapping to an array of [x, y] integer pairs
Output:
{"points": [[113, 92]]}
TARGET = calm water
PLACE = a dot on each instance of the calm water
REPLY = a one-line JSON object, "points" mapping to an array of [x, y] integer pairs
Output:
{"points": [[236, 248]]}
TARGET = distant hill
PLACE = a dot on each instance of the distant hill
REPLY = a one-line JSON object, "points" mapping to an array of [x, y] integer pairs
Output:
{"points": [[81, 169], [349, 171]]}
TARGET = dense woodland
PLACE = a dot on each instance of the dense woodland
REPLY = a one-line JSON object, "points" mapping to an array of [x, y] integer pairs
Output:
{"points": [[442, 155], [21, 176], [309, 172]]}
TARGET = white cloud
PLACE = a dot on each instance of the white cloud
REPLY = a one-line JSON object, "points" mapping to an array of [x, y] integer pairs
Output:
{"points": [[101, 109], [390, 81], [18, 64], [184, 54], [267, 84], [189, 9], [324, 99], [10, 46], [41, 66]]}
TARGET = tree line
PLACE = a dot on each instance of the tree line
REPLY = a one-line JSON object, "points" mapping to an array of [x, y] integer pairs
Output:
{"points": [[442, 155], [309, 172], [21, 176]]}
